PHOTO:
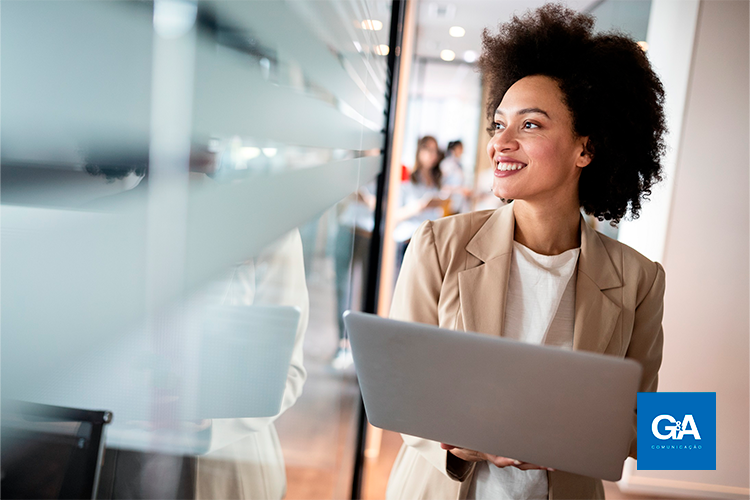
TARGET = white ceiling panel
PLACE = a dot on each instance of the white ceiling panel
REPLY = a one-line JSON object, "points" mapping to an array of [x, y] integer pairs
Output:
{"points": [[437, 17]]}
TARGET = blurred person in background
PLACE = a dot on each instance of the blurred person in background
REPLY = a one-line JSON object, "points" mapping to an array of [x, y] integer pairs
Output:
{"points": [[577, 123], [245, 460], [421, 198], [356, 221], [453, 178]]}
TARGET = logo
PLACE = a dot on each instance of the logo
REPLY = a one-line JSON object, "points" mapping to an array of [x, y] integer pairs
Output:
{"points": [[676, 431]]}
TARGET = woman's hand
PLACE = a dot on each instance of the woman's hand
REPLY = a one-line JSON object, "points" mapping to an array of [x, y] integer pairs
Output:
{"points": [[431, 200], [477, 456]]}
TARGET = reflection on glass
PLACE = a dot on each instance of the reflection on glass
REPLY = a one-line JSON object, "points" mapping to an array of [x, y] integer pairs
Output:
{"points": [[245, 459], [172, 245], [318, 435], [354, 232]]}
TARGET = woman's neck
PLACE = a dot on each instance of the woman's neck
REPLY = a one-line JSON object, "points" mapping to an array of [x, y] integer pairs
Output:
{"points": [[547, 230]]}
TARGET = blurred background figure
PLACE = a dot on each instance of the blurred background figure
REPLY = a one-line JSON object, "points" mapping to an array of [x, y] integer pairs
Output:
{"points": [[355, 225], [244, 457], [421, 197], [453, 178]]}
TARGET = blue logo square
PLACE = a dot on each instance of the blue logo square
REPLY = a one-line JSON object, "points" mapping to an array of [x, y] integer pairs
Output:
{"points": [[676, 431]]}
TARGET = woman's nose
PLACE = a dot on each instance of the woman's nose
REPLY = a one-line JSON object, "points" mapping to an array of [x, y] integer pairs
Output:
{"points": [[504, 140]]}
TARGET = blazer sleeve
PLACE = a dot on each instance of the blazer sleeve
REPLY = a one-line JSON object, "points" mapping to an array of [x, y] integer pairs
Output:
{"points": [[416, 300], [647, 341]]}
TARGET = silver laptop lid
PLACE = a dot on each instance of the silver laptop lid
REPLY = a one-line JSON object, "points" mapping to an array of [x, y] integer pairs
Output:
{"points": [[569, 410]]}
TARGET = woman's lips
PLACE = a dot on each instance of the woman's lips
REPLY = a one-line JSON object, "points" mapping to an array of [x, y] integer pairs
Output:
{"points": [[507, 168]]}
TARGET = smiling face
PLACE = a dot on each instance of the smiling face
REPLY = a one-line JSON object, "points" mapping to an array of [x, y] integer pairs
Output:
{"points": [[427, 154], [536, 155]]}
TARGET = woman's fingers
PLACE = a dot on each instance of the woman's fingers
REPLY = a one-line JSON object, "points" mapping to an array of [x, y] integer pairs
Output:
{"points": [[502, 461], [505, 462], [476, 456], [467, 455], [527, 466]]}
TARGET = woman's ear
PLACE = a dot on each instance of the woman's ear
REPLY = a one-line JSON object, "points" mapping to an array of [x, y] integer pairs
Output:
{"points": [[587, 153]]}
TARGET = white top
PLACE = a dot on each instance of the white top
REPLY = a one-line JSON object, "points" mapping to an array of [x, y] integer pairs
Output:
{"points": [[540, 309], [411, 192], [453, 176]]}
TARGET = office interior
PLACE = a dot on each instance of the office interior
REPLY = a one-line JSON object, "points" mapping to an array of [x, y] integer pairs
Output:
{"points": [[194, 191]]}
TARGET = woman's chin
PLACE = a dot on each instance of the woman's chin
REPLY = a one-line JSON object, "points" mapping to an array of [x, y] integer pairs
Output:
{"points": [[503, 194]]}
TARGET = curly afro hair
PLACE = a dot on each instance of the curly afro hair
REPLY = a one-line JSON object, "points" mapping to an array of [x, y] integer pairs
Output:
{"points": [[614, 97]]}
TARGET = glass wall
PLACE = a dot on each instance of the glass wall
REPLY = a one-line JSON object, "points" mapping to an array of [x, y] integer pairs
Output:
{"points": [[187, 204]]}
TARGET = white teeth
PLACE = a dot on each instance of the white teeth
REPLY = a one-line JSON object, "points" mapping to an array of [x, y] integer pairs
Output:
{"points": [[509, 166]]}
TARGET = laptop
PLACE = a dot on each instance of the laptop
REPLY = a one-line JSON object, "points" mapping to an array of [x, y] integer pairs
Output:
{"points": [[569, 410]]}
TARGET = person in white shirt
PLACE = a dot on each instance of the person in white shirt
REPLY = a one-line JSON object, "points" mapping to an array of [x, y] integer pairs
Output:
{"points": [[453, 178], [420, 198]]}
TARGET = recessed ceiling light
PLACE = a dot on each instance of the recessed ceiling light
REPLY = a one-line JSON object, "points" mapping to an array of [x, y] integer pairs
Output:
{"points": [[644, 46], [457, 31], [470, 56], [447, 55], [382, 49]]}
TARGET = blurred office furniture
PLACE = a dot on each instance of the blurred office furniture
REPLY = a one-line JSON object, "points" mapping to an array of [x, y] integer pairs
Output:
{"points": [[51, 451]]}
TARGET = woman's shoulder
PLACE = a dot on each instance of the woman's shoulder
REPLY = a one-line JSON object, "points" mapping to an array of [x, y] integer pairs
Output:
{"points": [[629, 254], [453, 232], [634, 266], [462, 224]]}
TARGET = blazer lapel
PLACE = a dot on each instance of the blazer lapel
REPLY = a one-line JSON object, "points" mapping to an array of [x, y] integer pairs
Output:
{"points": [[482, 289], [595, 314]]}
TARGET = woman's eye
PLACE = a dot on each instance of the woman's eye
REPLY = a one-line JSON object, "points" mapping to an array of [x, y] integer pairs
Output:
{"points": [[495, 127], [529, 125]]}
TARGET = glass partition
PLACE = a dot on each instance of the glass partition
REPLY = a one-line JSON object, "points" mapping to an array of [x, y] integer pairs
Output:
{"points": [[187, 203]]}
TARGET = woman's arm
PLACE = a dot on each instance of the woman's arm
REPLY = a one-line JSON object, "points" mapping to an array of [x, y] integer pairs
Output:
{"points": [[416, 207], [417, 292], [647, 340], [416, 300]]}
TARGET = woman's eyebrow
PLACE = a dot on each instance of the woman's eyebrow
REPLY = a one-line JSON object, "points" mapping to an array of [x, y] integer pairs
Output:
{"points": [[525, 111]]}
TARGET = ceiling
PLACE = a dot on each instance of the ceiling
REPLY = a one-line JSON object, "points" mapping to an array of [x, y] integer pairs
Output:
{"points": [[435, 17]]}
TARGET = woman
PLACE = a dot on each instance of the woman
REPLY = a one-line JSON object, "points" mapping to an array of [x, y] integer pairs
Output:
{"points": [[577, 123], [453, 178], [420, 195]]}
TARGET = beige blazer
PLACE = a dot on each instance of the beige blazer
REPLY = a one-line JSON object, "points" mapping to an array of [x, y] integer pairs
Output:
{"points": [[455, 275]]}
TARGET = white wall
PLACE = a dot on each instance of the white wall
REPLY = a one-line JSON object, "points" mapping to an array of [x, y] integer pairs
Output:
{"points": [[706, 254], [671, 36]]}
